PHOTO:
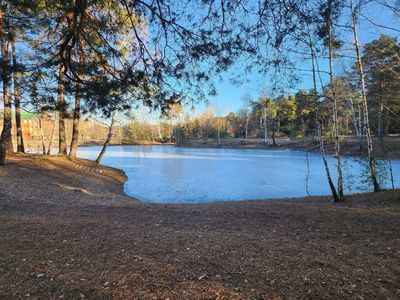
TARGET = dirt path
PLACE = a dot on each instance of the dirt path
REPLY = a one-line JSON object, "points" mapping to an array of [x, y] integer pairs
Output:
{"points": [[69, 233]]}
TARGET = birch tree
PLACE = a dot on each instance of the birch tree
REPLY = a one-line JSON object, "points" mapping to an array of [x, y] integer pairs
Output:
{"points": [[371, 158]]}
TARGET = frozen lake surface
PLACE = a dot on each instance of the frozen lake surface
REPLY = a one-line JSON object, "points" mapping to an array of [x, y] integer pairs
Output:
{"points": [[168, 174]]}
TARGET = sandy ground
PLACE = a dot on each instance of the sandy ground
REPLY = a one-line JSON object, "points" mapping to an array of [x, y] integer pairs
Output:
{"points": [[70, 233]]}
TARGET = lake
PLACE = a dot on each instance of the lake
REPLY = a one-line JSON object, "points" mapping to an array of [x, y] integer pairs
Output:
{"points": [[169, 174]]}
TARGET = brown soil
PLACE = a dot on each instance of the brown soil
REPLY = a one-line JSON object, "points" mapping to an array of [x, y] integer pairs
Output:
{"points": [[69, 233]]}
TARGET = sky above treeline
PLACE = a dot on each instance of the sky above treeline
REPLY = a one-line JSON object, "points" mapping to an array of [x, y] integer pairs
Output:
{"points": [[230, 97]]}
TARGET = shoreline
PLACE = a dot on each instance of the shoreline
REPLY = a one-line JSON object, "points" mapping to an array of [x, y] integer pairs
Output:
{"points": [[96, 242], [348, 148], [143, 143]]}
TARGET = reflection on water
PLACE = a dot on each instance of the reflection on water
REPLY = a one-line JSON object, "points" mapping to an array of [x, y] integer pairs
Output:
{"points": [[167, 174]]}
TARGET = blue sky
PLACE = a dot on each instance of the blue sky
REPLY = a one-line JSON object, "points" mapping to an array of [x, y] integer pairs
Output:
{"points": [[230, 97]]}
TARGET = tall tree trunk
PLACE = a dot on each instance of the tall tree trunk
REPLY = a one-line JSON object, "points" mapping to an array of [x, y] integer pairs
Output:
{"points": [[17, 102], [371, 158], [77, 110], [42, 135], [62, 113], [314, 77], [273, 136], [52, 135], [6, 135], [360, 126], [360, 120], [319, 126], [265, 126], [109, 136], [335, 195], [335, 113], [2, 155], [76, 121], [381, 128]]}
